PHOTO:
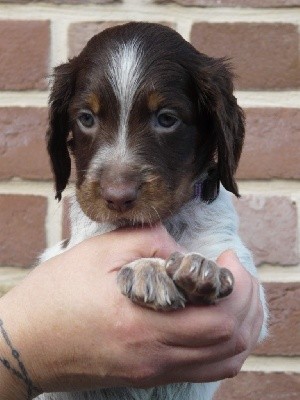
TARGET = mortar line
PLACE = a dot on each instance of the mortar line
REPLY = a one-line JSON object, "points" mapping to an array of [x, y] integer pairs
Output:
{"points": [[137, 11], [265, 187], [247, 99], [271, 364]]}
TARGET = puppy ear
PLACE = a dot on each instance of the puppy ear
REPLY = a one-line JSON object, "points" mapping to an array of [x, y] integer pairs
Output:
{"points": [[59, 125], [224, 123]]}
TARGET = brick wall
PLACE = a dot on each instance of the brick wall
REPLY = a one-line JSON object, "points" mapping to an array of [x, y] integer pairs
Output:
{"points": [[262, 37]]}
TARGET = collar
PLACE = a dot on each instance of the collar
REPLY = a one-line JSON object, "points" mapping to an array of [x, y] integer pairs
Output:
{"points": [[198, 189], [206, 187]]}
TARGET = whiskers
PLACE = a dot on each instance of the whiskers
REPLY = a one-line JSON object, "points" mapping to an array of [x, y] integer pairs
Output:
{"points": [[156, 212], [144, 213]]}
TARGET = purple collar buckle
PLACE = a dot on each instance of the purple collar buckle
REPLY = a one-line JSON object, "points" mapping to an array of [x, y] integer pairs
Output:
{"points": [[198, 190]]}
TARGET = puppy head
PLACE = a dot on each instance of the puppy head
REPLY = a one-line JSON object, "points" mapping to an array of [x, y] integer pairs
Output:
{"points": [[145, 117]]}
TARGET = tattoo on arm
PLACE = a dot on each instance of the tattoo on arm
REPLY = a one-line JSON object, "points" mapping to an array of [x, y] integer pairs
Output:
{"points": [[16, 366]]}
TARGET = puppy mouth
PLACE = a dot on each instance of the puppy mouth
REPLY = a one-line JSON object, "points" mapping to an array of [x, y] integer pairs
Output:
{"points": [[144, 203]]}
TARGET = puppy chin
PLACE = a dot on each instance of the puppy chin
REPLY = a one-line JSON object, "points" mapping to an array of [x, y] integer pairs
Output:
{"points": [[156, 202]]}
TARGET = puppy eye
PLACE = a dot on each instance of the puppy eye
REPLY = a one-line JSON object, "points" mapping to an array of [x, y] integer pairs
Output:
{"points": [[86, 119], [166, 119]]}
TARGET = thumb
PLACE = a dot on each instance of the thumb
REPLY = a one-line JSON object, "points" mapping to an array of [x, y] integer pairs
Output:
{"points": [[228, 258]]}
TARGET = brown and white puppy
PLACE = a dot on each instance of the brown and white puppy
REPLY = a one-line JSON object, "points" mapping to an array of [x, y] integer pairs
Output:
{"points": [[156, 135]]}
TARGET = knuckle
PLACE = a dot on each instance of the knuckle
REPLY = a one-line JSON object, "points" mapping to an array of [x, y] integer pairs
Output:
{"points": [[226, 329], [241, 343], [143, 377], [234, 369]]}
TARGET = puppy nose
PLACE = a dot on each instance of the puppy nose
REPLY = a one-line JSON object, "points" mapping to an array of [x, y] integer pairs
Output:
{"points": [[120, 198]]}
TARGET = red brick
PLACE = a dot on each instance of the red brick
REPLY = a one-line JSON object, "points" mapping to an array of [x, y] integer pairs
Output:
{"points": [[268, 226], [232, 3], [24, 49], [283, 300], [264, 55], [22, 143], [272, 144], [22, 234], [80, 33], [74, 2], [260, 385]]}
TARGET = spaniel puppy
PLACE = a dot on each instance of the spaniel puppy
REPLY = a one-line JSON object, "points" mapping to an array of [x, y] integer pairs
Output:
{"points": [[156, 135]]}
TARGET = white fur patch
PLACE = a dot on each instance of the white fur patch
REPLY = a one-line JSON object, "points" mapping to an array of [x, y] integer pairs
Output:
{"points": [[125, 75], [108, 156]]}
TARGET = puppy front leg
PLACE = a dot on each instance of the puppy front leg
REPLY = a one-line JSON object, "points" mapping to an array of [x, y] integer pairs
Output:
{"points": [[146, 282], [168, 285]]}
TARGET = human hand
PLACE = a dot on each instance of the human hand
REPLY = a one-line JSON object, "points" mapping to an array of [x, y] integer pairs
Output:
{"points": [[217, 339], [74, 330]]}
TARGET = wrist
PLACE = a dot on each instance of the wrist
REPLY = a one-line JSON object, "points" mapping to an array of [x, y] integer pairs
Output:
{"points": [[12, 383], [15, 380], [11, 388]]}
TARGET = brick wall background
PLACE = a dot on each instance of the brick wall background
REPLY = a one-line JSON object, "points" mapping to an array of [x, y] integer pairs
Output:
{"points": [[262, 37]]}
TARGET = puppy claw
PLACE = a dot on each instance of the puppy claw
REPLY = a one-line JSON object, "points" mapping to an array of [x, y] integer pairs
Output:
{"points": [[125, 281], [227, 281]]}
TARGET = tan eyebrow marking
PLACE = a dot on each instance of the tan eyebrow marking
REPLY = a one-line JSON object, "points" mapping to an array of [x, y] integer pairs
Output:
{"points": [[154, 100], [95, 103]]}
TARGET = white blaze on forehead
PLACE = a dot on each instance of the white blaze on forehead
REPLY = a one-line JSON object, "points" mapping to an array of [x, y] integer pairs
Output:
{"points": [[125, 75]]}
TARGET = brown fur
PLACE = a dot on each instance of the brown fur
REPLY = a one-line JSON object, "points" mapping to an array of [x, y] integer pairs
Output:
{"points": [[206, 143], [94, 103], [153, 173], [154, 101]]}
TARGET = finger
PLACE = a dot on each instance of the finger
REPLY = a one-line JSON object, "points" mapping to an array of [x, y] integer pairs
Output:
{"points": [[210, 372], [239, 301], [207, 325], [193, 326], [251, 327], [186, 357], [134, 243], [164, 244], [242, 340]]}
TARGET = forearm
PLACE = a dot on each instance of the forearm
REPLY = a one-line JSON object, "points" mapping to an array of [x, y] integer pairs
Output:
{"points": [[14, 384], [11, 388], [15, 380]]}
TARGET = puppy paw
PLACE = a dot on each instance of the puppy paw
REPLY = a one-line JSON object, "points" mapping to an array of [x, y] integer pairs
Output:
{"points": [[146, 283], [201, 280]]}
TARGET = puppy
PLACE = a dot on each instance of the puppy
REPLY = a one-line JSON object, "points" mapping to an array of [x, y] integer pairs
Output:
{"points": [[156, 135]]}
